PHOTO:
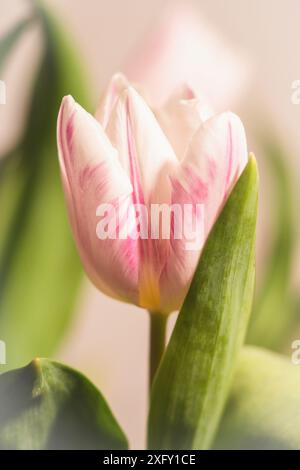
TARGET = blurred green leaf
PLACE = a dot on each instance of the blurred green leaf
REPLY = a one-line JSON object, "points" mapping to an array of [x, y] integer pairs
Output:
{"points": [[8, 42], [47, 405], [11, 186], [40, 270], [191, 385], [274, 310], [263, 410]]}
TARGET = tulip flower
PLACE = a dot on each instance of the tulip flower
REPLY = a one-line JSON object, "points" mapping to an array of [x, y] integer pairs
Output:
{"points": [[181, 154]]}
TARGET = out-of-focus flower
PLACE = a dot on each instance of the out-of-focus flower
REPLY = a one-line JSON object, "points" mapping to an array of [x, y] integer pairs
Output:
{"points": [[183, 47], [179, 155]]}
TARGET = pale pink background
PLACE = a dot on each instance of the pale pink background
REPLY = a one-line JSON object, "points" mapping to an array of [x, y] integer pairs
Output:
{"points": [[108, 340]]}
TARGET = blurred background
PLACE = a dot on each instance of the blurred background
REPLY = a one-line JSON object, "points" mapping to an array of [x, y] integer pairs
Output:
{"points": [[246, 60]]}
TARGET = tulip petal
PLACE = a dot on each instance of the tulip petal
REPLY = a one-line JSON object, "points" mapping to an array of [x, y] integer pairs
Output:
{"points": [[214, 161], [218, 152], [181, 116], [144, 151], [117, 84], [92, 175], [147, 157]]}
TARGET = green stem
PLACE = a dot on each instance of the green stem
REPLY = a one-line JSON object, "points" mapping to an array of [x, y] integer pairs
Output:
{"points": [[158, 323]]}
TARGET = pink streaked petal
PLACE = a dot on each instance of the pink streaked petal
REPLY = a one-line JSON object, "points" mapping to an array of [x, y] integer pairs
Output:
{"points": [[216, 157], [84, 147], [109, 262], [92, 175], [144, 151], [188, 189], [218, 152], [147, 158]]}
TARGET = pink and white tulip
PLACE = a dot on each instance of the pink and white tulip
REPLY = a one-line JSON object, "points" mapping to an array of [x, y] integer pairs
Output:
{"points": [[128, 153]]}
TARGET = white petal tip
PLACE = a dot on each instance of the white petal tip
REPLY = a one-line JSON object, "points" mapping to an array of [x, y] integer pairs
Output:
{"points": [[120, 79], [68, 101]]}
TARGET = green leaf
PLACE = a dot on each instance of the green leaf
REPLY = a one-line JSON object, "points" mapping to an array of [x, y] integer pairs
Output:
{"points": [[263, 407], [10, 191], [40, 271], [8, 42], [191, 385], [274, 309], [47, 405]]}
